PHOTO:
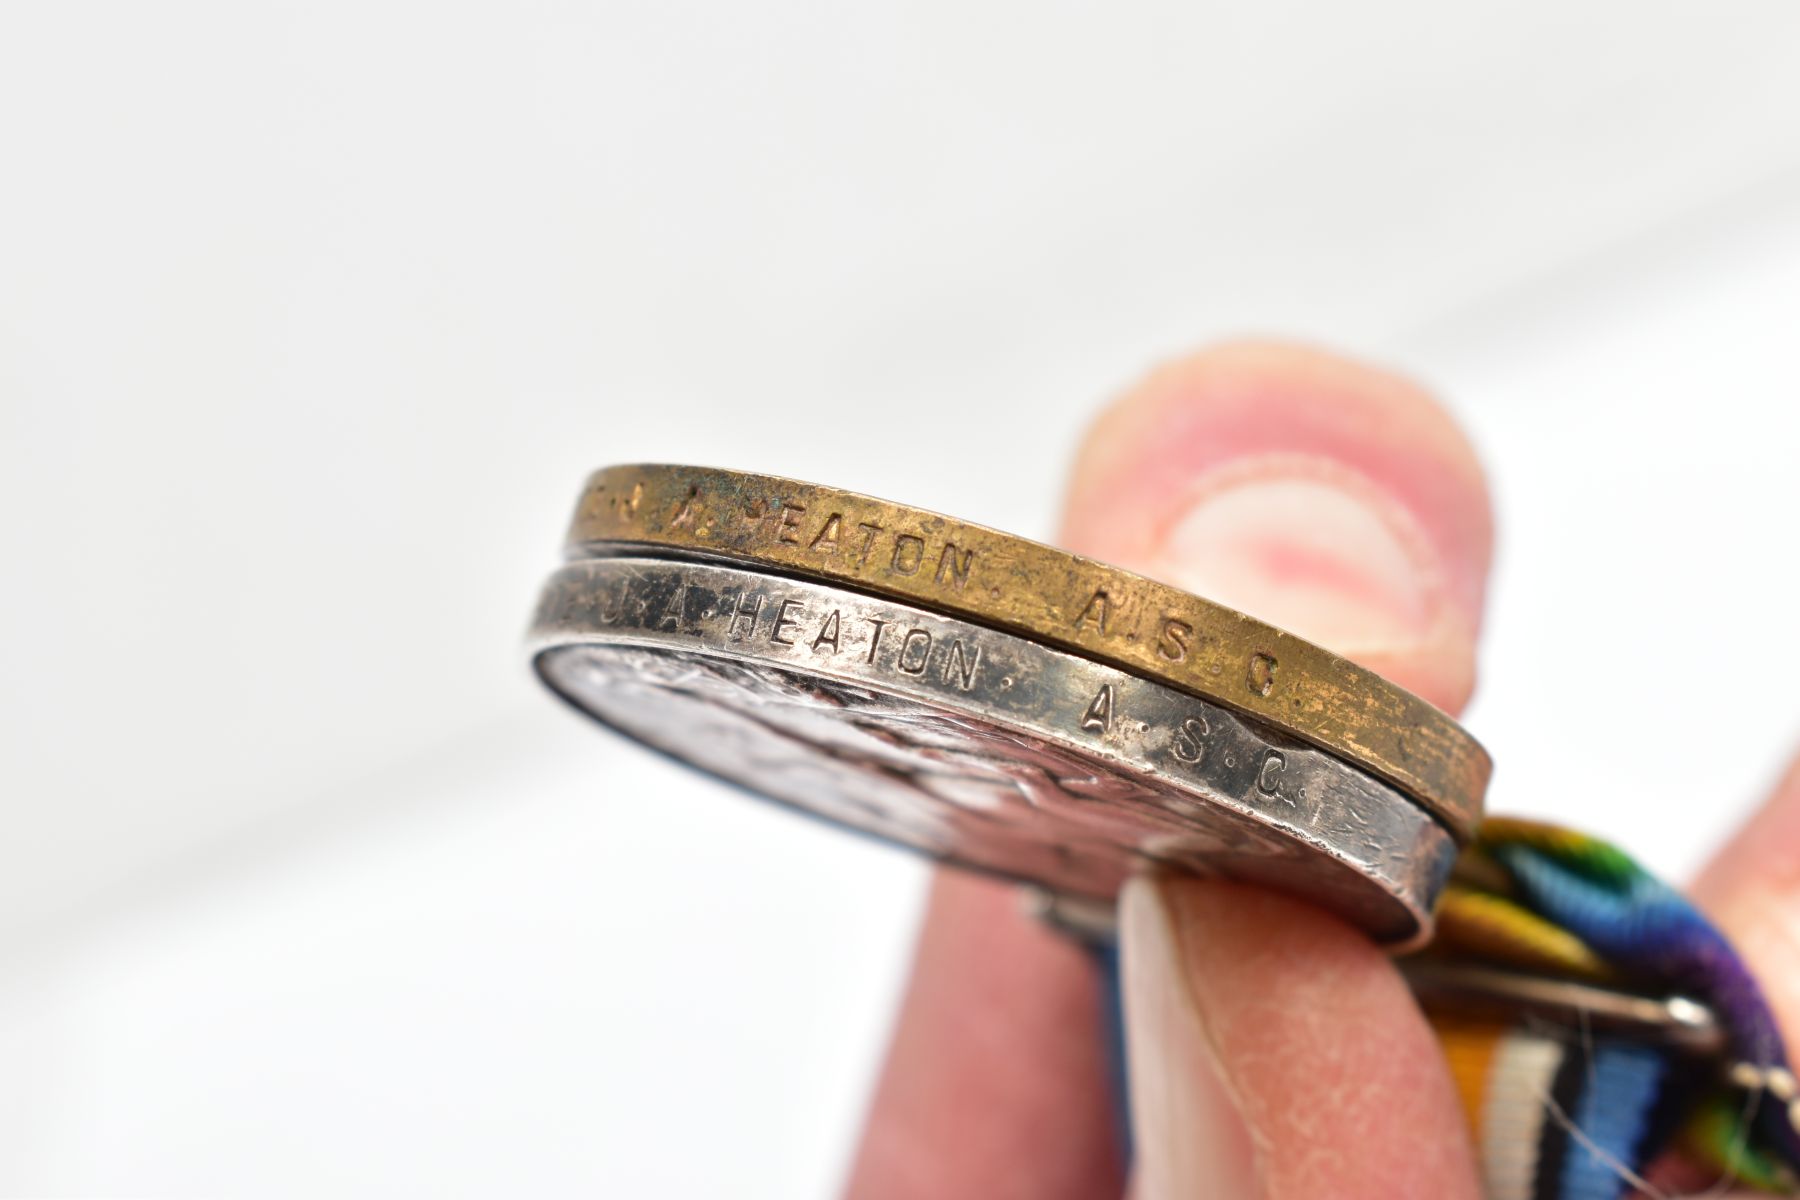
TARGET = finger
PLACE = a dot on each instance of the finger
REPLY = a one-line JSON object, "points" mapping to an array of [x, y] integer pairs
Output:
{"points": [[1330, 499], [1183, 479], [1274, 1051], [1751, 890], [995, 1083]]}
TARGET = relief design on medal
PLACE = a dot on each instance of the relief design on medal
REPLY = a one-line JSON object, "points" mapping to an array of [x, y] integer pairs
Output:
{"points": [[818, 628], [964, 787], [943, 782]]}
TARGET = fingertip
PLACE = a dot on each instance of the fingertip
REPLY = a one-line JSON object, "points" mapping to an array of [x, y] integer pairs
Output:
{"points": [[1329, 497]]}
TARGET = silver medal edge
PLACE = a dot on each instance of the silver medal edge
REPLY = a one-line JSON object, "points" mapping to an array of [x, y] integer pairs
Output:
{"points": [[1361, 822]]}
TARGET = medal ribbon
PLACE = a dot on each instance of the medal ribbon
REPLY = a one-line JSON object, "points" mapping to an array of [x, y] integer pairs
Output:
{"points": [[1564, 1111], [1562, 1117]]}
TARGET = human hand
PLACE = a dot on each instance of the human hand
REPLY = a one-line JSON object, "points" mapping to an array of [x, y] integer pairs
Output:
{"points": [[1274, 1052]]}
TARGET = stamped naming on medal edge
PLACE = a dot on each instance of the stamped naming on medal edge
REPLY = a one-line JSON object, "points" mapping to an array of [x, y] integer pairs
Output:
{"points": [[979, 747], [1095, 609]]}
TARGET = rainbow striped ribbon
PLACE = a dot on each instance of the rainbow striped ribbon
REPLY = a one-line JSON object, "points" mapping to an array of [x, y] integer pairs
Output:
{"points": [[1592, 1019], [1577, 1109]]}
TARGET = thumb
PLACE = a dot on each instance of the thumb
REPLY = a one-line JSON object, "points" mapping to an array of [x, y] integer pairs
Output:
{"points": [[1274, 1051]]}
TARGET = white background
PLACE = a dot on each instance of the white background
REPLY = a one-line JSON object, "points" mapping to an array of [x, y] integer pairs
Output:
{"points": [[313, 316]]}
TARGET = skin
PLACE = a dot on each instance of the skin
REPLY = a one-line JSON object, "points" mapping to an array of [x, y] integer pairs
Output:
{"points": [[1273, 1051]]}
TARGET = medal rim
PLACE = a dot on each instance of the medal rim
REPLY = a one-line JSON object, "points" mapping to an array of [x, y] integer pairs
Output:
{"points": [[1078, 604]]}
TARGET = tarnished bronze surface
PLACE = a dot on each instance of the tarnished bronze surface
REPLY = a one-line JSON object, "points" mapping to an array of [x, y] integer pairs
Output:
{"points": [[1100, 611]]}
